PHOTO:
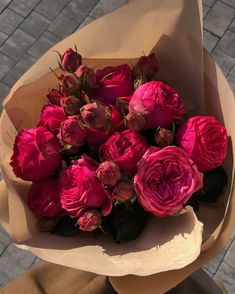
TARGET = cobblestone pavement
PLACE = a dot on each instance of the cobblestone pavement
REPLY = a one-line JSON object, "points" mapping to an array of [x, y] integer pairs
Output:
{"points": [[28, 28]]}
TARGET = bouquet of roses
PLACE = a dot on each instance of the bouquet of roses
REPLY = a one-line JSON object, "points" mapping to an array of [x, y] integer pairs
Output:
{"points": [[113, 145]]}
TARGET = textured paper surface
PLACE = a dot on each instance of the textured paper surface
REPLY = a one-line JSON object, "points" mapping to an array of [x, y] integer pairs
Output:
{"points": [[172, 30]]}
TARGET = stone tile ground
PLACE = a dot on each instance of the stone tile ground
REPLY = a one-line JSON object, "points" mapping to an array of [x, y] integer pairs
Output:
{"points": [[30, 28]]}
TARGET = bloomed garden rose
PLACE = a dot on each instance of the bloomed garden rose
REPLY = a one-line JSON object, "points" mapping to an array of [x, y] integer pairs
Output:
{"points": [[36, 154], [159, 103], [165, 180], [205, 140]]}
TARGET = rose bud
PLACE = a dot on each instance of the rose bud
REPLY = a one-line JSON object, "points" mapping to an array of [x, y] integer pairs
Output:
{"points": [[163, 137], [123, 191], [114, 81], [54, 97], [146, 66], [71, 132], [43, 197], [125, 149], [86, 75], [95, 115], [70, 60], [165, 180], [71, 105], [159, 103], [108, 173], [90, 220], [51, 118], [135, 121], [69, 85], [80, 189], [205, 140], [122, 104], [36, 154]]}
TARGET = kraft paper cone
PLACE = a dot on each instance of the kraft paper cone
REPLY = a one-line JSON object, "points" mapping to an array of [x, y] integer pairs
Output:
{"points": [[172, 30]]}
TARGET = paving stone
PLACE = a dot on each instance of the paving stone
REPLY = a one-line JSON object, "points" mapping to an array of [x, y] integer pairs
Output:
{"points": [[230, 2], [232, 27], [4, 237], [79, 9], [9, 21], [224, 61], [37, 260], [17, 44], [209, 2], [13, 262], [23, 7], [6, 64], [3, 37], [35, 24], [2, 248], [227, 44], [212, 266], [4, 90], [219, 18], [105, 6], [63, 25], [19, 69], [51, 8], [205, 10], [86, 21], [226, 271], [209, 40], [45, 42], [3, 4], [232, 73], [231, 81]]}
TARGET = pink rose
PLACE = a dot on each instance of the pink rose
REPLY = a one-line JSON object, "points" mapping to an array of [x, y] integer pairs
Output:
{"points": [[86, 75], [54, 97], [111, 121], [122, 104], [80, 190], [36, 154], [123, 191], [90, 220], [71, 105], [108, 173], [126, 149], [71, 132], [165, 180], [115, 81], [159, 103], [70, 60], [205, 140], [51, 118], [146, 66], [135, 121], [163, 137], [44, 198], [69, 85]]}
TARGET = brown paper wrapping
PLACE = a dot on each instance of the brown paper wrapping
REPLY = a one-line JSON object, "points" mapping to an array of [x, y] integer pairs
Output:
{"points": [[172, 30]]}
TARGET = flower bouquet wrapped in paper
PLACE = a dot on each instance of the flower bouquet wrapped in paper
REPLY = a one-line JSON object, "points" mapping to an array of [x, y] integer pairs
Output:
{"points": [[189, 156]]}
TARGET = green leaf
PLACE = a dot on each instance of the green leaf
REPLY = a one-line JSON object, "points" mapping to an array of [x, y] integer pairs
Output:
{"points": [[66, 227], [127, 223]]}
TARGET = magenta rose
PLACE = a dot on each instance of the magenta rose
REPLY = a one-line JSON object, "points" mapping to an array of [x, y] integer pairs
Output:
{"points": [[51, 118], [69, 85], [108, 173], [165, 180], [70, 60], [71, 105], [71, 132], [80, 190], [146, 66], [159, 103], [54, 97], [126, 149], [163, 137], [123, 191], [44, 198], [115, 81], [86, 75], [36, 154], [100, 122], [205, 140], [90, 220]]}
